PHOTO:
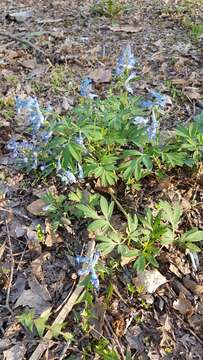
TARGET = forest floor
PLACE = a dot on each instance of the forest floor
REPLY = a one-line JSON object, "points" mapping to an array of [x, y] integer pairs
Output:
{"points": [[47, 55]]}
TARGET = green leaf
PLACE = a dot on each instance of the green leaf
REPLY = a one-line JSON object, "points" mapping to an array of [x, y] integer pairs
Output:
{"points": [[74, 150], [132, 223], [68, 336], [56, 329], [88, 211], [124, 251], [174, 158], [139, 264], [27, 319], [104, 206], [40, 323], [152, 260], [192, 236], [75, 196], [192, 247], [110, 212], [170, 213], [98, 224], [106, 247], [167, 237]]}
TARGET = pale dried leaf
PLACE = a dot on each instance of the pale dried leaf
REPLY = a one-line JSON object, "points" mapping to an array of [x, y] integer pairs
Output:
{"points": [[17, 352], [183, 305], [101, 75], [150, 280], [126, 28]]}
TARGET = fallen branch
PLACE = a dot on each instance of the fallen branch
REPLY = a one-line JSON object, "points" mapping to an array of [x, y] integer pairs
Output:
{"points": [[24, 41], [64, 312]]}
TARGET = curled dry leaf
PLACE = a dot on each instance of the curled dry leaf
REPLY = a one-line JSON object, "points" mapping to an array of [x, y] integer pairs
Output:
{"points": [[36, 207], [183, 305], [150, 280]]}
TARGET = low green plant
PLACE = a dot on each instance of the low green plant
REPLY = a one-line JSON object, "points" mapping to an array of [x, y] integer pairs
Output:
{"points": [[110, 8], [40, 324], [144, 236], [111, 146]]}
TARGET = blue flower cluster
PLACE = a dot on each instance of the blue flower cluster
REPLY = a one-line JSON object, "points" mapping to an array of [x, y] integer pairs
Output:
{"points": [[90, 269], [126, 61]]}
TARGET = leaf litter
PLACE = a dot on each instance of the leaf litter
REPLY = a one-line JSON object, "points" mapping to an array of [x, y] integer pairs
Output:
{"points": [[92, 58]]}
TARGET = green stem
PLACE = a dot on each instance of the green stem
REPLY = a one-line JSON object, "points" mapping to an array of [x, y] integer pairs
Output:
{"points": [[119, 205]]}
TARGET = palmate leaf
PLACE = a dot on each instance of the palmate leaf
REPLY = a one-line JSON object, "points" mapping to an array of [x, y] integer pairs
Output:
{"points": [[102, 224], [174, 158], [108, 242], [171, 214], [88, 211]]}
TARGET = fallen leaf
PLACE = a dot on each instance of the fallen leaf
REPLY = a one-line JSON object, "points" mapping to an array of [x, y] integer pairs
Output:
{"points": [[20, 16], [135, 338], [29, 64], [150, 280], [101, 75], [97, 319], [192, 286], [37, 297], [18, 287], [32, 241], [36, 207], [33, 300], [127, 260], [119, 327], [196, 323], [192, 93], [17, 352], [126, 28], [183, 305]]}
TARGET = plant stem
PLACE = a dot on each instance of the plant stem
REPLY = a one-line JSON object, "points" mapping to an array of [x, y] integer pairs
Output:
{"points": [[118, 204]]}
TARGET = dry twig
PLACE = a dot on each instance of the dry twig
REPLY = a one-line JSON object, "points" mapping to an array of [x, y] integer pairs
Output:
{"points": [[24, 41]]}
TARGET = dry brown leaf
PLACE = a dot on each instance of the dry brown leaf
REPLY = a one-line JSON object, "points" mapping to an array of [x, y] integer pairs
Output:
{"points": [[126, 28], [135, 338], [181, 82], [97, 319], [192, 93], [183, 305], [36, 207], [192, 286], [127, 260], [119, 327], [101, 75], [29, 64]]}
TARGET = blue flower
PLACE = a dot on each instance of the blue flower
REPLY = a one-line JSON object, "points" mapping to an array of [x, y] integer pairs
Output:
{"points": [[86, 87], [126, 60], [90, 270], [34, 115]]}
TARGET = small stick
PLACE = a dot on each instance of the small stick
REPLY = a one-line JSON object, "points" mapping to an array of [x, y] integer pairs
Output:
{"points": [[64, 311], [24, 41], [12, 269], [115, 339]]}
